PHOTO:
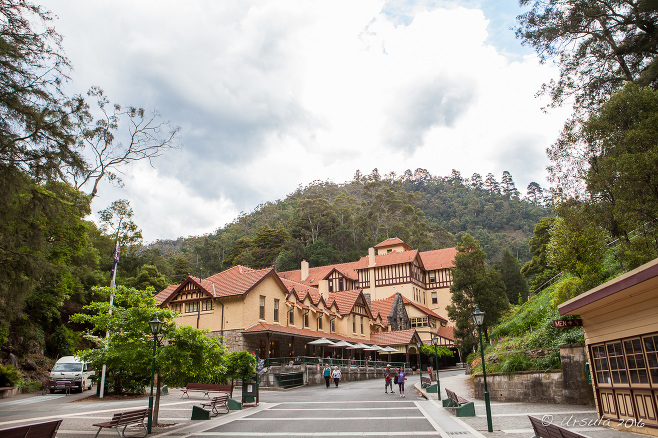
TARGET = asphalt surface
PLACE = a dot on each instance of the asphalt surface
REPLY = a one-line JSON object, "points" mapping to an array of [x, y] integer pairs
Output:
{"points": [[353, 409]]}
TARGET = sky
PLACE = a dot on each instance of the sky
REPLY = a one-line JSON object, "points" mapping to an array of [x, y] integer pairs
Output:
{"points": [[271, 95]]}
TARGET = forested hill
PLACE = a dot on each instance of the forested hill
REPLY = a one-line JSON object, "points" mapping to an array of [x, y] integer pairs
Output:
{"points": [[326, 222]]}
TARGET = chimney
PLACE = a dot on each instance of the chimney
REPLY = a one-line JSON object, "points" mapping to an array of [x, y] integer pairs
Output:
{"points": [[304, 270], [366, 295], [323, 287], [371, 257]]}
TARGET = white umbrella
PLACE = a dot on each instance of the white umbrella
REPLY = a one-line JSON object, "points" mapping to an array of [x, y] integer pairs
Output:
{"points": [[373, 348], [323, 342], [389, 350], [342, 344], [357, 346]]}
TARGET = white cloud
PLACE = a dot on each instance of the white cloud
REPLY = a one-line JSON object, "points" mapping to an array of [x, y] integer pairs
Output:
{"points": [[271, 95]]}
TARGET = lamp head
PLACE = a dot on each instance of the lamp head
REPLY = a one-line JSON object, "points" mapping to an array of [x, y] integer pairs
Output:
{"points": [[478, 317], [435, 340], [155, 324]]}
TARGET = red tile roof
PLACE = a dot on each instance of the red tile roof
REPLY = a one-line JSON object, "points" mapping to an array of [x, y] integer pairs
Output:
{"points": [[392, 241], [162, 296], [321, 272], [447, 332], [423, 309], [237, 280], [391, 258], [397, 337], [439, 258]]}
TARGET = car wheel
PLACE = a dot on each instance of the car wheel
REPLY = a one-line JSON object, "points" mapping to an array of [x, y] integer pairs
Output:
{"points": [[52, 391]]}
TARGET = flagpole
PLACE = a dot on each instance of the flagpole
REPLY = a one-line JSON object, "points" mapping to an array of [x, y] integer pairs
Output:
{"points": [[113, 286]]}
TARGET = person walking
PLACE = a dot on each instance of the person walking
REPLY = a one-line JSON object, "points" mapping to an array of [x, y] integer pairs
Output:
{"points": [[388, 379], [336, 375], [402, 376], [327, 374]]}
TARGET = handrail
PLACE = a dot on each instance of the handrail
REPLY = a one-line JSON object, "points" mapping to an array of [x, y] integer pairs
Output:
{"points": [[312, 360]]}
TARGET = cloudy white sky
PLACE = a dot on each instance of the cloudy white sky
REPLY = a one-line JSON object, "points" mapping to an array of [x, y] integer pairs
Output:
{"points": [[273, 94]]}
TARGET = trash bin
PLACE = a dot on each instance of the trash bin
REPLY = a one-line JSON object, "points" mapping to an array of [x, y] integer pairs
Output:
{"points": [[164, 390], [250, 391], [198, 413]]}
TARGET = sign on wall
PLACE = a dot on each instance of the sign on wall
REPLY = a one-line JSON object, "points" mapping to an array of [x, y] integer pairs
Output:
{"points": [[563, 323]]}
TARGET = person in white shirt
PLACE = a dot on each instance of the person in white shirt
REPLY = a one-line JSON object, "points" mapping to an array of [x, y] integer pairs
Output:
{"points": [[336, 375]]}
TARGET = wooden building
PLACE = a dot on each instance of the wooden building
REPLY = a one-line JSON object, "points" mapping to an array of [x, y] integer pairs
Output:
{"points": [[620, 322]]}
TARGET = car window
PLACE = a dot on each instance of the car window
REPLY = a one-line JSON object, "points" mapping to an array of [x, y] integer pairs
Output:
{"points": [[68, 367]]}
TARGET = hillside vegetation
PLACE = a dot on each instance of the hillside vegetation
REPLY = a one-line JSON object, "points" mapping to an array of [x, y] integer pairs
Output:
{"points": [[327, 222]]}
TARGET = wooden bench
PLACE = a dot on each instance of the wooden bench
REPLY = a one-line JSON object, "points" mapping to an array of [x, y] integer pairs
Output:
{"points": [[59, 385], [545, 429], [463, 407], [425, 381], [47, 429], [124, 419], [206, 388], [220, 400]]}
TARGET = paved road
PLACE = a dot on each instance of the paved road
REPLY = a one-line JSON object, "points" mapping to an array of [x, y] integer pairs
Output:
{"points": [[351, 410]]}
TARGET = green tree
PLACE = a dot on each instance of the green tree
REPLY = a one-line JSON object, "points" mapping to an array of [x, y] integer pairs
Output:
{"points": [[599, 45], [148, 276], [474, 283], [510, 272], [538, 270], [578, 247], [267, 244], [187, 355], [180, 268], [240, 365], [36, 127]]}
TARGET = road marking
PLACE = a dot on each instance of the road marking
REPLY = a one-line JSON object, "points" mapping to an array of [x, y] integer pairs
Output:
{"points": [[305, 434], [31, 400], [539, 414], [473, 432], [343, 409], [332, 418]]}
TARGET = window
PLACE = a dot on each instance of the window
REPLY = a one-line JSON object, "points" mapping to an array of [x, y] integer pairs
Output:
{"points": [[418, 322], [206, 305], [276, 310], [192, 307], [261, 312], [306, 319], [291, 316], [651, 348], [331, 285], [353, 323], [424, 297], [616, 361], [340, 284], [362, 325], [432, 277], [637, 369], [178, 308], [332, 325], [320, 322], [435, 298], [601, 364]]}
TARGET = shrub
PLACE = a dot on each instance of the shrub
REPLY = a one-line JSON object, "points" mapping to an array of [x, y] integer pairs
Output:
{"points": [[515, 362], [8, 375]]}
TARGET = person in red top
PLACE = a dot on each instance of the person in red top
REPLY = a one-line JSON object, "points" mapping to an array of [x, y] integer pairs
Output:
{"points": [[389, 376]]}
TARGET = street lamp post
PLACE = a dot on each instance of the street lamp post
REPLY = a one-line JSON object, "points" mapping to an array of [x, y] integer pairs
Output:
{"points": [[478, 320], [155, 324], [435, 342]]}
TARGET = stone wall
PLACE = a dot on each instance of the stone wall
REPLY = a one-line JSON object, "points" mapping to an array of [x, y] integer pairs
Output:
{"points": [[568, 385]]}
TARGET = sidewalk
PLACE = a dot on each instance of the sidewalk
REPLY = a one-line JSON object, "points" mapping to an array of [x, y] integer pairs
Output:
{"points": [[511, 419]]}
